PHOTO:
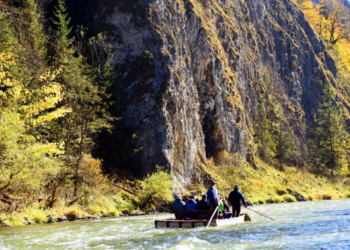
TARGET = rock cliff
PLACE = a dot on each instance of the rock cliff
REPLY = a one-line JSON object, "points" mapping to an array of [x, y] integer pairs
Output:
{"points": [[190, 74]]}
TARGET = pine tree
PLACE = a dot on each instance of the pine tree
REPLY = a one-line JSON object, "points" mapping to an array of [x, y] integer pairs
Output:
{"points": [[331, 136], [64, 44], [263, 135], [286, 148]]}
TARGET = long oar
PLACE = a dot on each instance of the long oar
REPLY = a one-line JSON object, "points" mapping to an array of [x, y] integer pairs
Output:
{"points": [[260, 213], [212, 216]]}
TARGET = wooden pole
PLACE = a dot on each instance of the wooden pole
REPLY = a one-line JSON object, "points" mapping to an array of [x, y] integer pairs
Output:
{"points": [[212, 216], [260, 213]]}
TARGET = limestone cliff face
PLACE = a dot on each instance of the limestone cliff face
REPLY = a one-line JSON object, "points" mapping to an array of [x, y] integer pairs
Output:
{"points": [[191, 73]]}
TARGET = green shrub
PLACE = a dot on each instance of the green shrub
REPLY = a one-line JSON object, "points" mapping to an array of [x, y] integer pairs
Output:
{"points": [[156, 188], [16, 223], [113, 213], [275, 199], [72, 212], [38, 216], [254, 201], [289, 198], [95, 209]]}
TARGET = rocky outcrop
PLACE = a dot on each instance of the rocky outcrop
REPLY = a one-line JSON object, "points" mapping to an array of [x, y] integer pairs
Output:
{"points": [[190, 74]]}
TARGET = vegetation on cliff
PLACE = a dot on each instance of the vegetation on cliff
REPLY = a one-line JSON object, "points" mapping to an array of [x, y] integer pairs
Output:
{"points": [[53, 103]]}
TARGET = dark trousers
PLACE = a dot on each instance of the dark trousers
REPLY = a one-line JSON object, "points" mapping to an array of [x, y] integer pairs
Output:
{"points": [[216, 213], [236, 211]]}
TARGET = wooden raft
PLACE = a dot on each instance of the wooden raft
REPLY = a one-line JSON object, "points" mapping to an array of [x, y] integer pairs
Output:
{"points": [[194, 223]]}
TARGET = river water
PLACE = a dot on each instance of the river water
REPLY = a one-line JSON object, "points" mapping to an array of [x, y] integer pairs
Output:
{"points": [[307, 225]]}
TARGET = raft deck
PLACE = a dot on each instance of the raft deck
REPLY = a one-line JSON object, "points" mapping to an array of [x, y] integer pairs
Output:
{"points": [[175, 223]]}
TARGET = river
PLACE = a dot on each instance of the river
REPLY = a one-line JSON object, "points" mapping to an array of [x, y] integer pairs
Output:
{"points": [[307, 225]]}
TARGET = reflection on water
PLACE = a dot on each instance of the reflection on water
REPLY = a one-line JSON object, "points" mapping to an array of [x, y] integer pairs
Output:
{"points": [[309, 225]]}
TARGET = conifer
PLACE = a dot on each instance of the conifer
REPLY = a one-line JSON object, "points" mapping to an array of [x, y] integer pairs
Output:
{"points": [[331, 136], [263, 135], [63, 30]]}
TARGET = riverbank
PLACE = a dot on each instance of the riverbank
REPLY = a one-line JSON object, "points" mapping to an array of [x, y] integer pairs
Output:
{"points": [[22, 220], [260, 184]]}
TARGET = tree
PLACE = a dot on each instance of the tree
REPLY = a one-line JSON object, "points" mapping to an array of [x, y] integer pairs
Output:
{"points": [[331, 137], [62, 21], [338, 18], [274, 138], [286, 148], [330, 17], [263, 135], [85, 96], [25, 160], [49, 115]]}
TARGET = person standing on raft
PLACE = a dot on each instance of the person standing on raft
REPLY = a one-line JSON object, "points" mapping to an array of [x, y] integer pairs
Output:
{"points": [[213, 197], [235, 198]]}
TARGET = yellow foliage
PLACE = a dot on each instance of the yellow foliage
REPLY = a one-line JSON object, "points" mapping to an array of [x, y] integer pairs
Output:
{"points": [[156, 188], [332, 26], [25, 161]]}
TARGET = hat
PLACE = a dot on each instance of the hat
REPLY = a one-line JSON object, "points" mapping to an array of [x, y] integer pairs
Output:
{"points": [[204, 196], [212, 181]]}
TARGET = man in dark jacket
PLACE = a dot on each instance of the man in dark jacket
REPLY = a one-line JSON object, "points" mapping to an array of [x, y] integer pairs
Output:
{"points": [[236, 198], [203, 206], [191, 205], [179, 205]]}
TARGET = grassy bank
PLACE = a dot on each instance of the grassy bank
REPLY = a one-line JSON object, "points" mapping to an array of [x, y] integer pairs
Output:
{"points": [[261, 184], [266, 184], [154, 189], [36, 214]]}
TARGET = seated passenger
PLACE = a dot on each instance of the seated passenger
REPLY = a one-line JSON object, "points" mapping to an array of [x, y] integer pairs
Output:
{"points": [[221, 209], [203, 206], [185, 199], [179, 205], [227, 213], [196, 199], [191, 205]]}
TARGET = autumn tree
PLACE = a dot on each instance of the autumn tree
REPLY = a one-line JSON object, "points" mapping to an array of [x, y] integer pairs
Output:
{"points": [[338, 17], [25, 104], [330, 17]]}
